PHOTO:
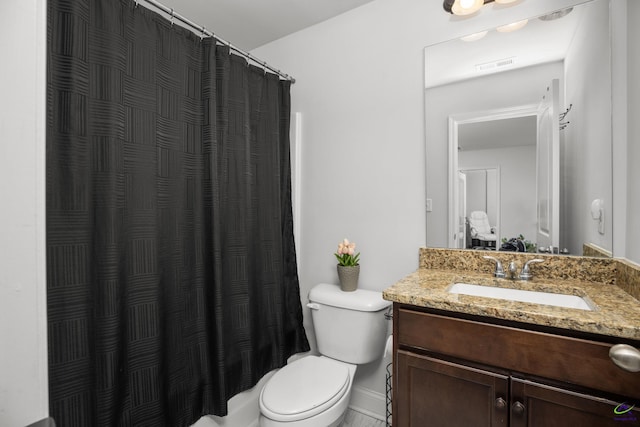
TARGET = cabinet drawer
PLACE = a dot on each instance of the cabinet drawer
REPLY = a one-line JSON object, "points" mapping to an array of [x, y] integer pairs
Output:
{"points": [[571, 360]]}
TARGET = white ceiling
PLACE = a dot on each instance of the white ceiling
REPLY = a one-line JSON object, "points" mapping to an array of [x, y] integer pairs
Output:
{"points": [[538, 42], [248, 24]]}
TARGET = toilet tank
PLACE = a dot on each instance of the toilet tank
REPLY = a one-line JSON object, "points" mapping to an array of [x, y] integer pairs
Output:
{"points": [[349, 326]]}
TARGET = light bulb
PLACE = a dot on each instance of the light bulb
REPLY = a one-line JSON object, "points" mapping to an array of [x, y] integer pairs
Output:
{"points": [[466, 7]]}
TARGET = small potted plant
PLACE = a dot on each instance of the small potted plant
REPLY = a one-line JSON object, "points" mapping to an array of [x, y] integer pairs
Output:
{"points": [[518, 244], [348, 265]]}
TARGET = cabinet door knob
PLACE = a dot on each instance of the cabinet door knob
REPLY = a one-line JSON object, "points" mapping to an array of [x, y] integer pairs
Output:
{"points": [[518, 408], [626, 357], [501, 403]]}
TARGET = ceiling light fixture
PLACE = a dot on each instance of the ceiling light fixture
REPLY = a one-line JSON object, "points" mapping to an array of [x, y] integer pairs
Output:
{"points": [[468, 7], [514, 26], [556, 15], [473, 37]]}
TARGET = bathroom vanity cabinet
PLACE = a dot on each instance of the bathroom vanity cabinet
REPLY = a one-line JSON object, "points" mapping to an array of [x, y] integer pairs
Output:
{"points": [[460, 370]]}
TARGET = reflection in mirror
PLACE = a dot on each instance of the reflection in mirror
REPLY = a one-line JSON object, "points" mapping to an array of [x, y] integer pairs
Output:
{"points": [[504, 146], [490, 105]]}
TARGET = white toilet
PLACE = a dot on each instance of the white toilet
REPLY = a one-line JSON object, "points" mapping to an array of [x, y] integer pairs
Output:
{"points": [[314, 391]]}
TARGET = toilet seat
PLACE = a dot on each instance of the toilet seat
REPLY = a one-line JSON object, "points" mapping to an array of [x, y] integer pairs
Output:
{"points": [[304, 388]]}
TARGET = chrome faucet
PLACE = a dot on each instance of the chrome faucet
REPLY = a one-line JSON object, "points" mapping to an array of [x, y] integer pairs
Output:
{"points": [[499, 273], [525, 274]]}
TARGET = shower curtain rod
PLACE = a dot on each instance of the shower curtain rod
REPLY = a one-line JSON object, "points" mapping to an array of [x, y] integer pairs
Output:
{"points": [[204, 32]]}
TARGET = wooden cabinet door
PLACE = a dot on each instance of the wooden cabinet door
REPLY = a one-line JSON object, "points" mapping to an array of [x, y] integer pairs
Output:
{"points": [[435, 393], [537, 405]]}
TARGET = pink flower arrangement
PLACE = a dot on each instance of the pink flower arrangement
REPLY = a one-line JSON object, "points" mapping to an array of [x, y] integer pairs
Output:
{"points": [[346, 254]]}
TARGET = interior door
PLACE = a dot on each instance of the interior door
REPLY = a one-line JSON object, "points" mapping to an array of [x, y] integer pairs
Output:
{"points": [[548, 168]]}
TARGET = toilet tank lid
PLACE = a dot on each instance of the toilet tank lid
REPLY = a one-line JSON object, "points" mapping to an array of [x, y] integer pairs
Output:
{"points": [[360, 299]]}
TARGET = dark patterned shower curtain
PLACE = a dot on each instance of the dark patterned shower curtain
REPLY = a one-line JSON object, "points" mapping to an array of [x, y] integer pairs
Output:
{"points": [[172, 280]]}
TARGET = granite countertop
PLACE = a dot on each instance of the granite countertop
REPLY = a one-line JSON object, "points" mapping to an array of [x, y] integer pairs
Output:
{"points": [[617, 313]]}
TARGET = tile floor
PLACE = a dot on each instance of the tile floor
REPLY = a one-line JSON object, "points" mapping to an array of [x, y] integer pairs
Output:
{"points": [[357, 419]]}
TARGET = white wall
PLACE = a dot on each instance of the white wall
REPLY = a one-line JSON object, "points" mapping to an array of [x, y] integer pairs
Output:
{"points": [[584, 153], [23, 340], [633, 144], [359, 87], [476, 197]]}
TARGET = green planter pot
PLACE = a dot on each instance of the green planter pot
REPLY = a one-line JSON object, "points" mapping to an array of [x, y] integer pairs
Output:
{"points": [[348, 276]]}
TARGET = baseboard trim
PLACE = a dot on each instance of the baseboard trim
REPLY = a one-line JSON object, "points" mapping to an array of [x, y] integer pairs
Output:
{"points": [[368, 402]]}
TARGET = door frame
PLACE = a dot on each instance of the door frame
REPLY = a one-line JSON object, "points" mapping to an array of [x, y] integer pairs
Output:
{"points": [[456, 120]]}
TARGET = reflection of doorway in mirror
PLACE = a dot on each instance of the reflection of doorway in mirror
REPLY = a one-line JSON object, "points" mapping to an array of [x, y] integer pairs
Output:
{"points": [[482, 194], [504, 140]]}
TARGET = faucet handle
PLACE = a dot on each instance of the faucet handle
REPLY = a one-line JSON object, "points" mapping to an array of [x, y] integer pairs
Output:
{"points": [[499, 270], [525, 274]]}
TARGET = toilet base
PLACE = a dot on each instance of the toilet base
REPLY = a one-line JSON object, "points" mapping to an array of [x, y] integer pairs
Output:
{"points": [[332, 417]]}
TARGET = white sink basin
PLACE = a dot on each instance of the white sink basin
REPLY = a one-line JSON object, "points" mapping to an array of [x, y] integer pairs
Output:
{"points": [[546, 298]]}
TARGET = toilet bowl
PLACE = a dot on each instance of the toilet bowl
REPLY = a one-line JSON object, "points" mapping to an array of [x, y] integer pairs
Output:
{"points": [[313, 391]]}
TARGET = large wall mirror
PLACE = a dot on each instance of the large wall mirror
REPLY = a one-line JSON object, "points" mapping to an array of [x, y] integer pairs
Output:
{"points": [[518, 135]]}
